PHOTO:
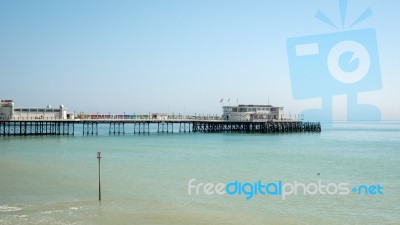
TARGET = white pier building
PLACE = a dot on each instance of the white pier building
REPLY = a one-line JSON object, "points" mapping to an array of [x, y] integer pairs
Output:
{"points": [[9, 112], [252, 113]]}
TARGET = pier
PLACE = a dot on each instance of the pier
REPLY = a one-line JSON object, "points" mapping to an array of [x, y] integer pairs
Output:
{"points": [[24, 121], [147, 126]]}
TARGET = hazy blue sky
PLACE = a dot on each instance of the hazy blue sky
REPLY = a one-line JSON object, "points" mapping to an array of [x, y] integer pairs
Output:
{"points": [[174, 56]]}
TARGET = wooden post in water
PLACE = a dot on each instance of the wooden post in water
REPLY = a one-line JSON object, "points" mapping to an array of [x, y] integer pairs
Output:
{"points": [[99, 157]]}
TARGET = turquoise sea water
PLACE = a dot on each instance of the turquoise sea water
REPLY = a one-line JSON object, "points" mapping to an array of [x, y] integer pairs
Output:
{"points": [[53, 180]]}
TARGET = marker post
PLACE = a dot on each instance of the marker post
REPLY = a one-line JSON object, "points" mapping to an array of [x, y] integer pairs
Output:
{"points": [[99, 157]]}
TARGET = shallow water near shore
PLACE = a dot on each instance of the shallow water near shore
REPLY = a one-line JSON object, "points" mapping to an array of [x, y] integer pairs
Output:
{"points": [[53, 180]]}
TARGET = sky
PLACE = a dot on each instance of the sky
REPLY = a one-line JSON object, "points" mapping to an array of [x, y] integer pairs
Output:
{"points": [[177, 56]]}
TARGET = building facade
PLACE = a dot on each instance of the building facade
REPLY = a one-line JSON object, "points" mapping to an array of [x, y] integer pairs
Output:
{"points": [[9, 112], [252, 113], [6, 109]]}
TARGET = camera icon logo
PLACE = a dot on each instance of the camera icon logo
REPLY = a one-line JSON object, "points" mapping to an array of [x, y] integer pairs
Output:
{"points": [[349, 70], [325, 65]]}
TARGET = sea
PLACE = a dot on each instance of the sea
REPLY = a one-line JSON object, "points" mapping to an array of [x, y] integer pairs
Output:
{"points": [[347, 174]]}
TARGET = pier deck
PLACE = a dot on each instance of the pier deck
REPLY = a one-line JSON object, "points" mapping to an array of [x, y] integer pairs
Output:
{"points": [[118, 126]]}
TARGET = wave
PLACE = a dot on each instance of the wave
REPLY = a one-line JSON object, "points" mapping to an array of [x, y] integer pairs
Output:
{"points": [[6, 208]]}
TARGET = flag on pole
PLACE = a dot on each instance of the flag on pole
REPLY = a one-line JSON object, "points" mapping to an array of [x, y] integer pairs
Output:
{"points": [[229, 99], [221, 100]]}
